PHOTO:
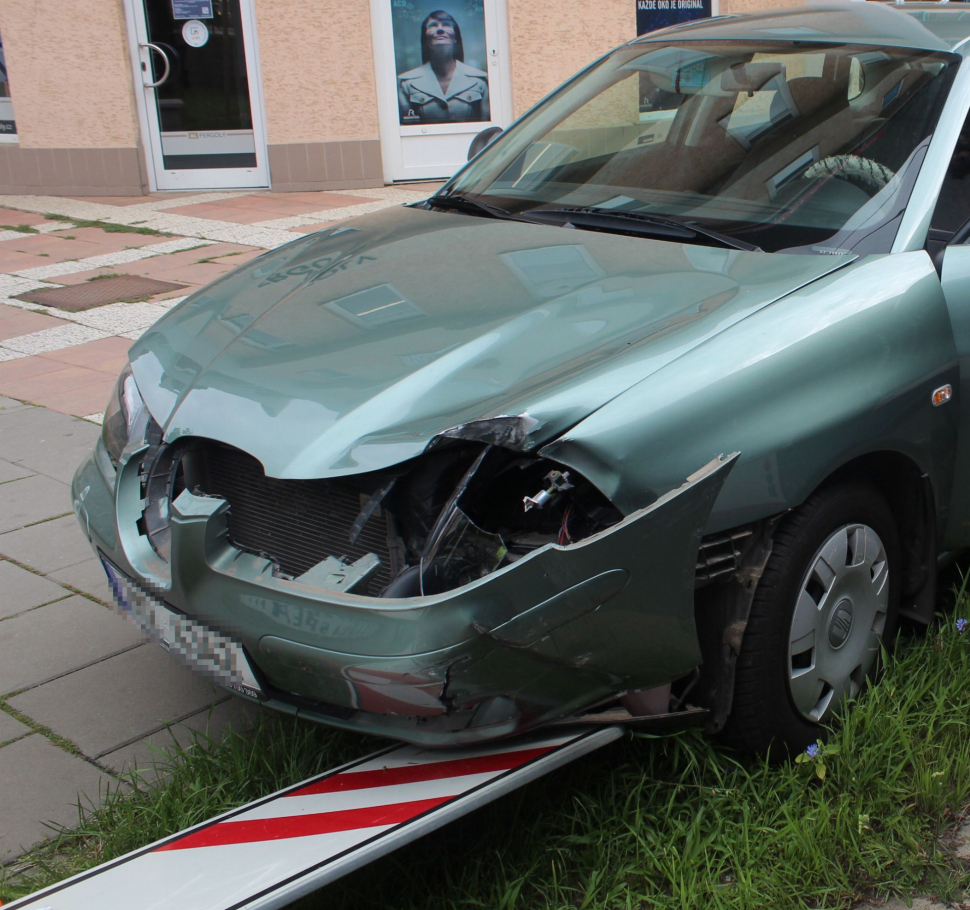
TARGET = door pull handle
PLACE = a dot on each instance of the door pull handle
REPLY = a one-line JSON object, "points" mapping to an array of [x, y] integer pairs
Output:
{"points": [[168, 67]]}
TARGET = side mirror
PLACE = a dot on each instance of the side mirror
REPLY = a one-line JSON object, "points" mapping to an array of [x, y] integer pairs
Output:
{"points": [[483, 139]]}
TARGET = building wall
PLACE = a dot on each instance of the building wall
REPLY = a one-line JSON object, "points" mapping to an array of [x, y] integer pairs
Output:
{"points": [[73, 99], [317, 60], [549, 40]]}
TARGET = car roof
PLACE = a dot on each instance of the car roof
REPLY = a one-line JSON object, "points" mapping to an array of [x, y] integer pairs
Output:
{"points": [[949, 21], [929, 26]]}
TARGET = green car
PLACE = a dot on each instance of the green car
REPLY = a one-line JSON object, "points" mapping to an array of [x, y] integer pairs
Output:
{"points": [[653, 413]]}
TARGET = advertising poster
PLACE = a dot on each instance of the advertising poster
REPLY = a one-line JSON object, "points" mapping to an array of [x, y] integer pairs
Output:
{"points": [[654, 14], [440, 59]]}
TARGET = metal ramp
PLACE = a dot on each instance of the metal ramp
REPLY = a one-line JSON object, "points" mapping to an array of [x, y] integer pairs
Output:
{"points": [[272, 851]]}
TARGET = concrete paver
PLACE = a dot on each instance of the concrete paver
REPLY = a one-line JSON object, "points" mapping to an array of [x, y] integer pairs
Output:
{"points": [[23, 368], [145, 755], [87, 399], [47, 547], [32, 499], [120, 700], [87, 576], [12, 260], [45, 441], [41, 783], [13, 217], [109, 355], [52, 641], [10, 471], [11, 728], [65, 389], [15, 322], [23, 590]]}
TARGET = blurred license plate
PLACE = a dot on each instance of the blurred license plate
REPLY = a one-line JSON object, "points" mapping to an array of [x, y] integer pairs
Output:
{"points": [[210, 652]]}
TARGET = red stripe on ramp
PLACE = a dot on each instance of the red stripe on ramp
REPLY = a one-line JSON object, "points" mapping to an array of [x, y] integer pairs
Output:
{"points": [[267, 829], [410, 774]]}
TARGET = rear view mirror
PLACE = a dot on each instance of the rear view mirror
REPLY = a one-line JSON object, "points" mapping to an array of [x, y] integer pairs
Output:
{"points": [[483, 139]]}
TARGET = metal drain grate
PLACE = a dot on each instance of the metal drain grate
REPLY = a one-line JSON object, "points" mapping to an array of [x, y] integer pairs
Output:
{"points": [[88, 294]]}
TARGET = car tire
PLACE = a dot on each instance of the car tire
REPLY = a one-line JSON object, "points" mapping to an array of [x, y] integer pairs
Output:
{"points": [[826, 601]]}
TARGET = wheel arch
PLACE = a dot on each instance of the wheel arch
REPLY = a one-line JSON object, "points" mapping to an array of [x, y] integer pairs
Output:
{"points": [[722, 610], [910, 494]]}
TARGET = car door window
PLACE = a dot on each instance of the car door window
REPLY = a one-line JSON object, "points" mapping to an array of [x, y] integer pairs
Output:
{"points": [[953, 208]]}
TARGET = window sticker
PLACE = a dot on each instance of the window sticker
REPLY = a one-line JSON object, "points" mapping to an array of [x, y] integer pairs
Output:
{"points": [[195, 33], [192, 9]]}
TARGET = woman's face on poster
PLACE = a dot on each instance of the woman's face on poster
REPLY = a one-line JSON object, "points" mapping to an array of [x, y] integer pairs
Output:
{"points": [[439, 33]]}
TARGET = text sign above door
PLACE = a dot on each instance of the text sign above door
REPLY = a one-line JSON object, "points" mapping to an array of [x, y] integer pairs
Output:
{"points": [[654, 14]]}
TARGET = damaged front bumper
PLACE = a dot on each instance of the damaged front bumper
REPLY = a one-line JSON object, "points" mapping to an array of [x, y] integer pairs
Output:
{"points": [[559, 630]]}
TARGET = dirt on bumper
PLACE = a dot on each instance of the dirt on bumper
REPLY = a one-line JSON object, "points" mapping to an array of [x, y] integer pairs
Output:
{"points": [[559, 630]]}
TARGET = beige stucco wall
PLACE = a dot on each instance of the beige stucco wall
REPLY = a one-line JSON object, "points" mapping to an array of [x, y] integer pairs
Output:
{"points": [[71, 85], [550, 39], [750, 6], [318, 70]]}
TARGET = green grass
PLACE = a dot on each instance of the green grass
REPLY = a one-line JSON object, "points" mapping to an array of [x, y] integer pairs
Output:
{"points": [[653, 822], [219, 257], [21, 228], [109, 226]]}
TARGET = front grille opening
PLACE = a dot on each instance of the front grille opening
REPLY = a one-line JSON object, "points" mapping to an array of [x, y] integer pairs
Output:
{"points": [[296, 523]]}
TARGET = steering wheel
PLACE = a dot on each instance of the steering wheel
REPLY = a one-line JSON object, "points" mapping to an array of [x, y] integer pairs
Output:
{"points": [[868, 175]]}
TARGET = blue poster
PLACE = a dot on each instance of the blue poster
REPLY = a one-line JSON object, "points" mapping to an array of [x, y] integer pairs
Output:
{"points": [[192, 9], [654, 14]]}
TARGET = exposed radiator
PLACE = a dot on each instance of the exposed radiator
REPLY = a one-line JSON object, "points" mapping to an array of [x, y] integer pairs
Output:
{"points": [[297, 523]]}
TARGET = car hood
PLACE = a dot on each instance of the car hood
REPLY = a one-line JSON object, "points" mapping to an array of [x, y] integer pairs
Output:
{"points": [[349, 350]]}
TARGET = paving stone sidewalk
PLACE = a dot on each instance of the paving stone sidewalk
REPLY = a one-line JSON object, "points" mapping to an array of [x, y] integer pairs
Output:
{"points": [[83, 696]]}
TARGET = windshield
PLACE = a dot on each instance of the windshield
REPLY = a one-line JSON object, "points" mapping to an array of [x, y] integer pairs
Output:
{"points": [[789, 146]]}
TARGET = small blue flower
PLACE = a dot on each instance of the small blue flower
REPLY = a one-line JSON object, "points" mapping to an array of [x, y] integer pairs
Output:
{"points": [[961, 625], [812, 751]]}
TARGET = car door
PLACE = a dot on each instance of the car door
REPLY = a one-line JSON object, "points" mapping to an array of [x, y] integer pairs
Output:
{"points": [[948, 243]]}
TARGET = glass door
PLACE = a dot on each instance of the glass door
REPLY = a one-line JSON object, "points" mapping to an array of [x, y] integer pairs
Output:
{"points": [[197, 67], [442, 76]]}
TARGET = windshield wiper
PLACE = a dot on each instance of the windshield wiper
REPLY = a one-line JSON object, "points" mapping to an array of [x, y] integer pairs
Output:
{"points": [[457, 203], [620, 220]]}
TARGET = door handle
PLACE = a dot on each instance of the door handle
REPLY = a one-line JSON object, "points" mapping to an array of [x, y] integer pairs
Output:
{"points": [[168, 67]]}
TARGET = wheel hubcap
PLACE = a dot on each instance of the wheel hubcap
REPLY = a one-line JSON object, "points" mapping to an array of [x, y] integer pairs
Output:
{"points": [[838, 622]]}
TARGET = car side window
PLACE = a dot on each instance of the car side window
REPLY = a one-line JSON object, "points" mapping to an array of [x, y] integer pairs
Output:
{"points": [[953, 207]]}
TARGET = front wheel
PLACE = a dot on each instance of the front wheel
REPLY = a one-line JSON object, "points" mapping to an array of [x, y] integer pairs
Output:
{"points": [[824, 605]]}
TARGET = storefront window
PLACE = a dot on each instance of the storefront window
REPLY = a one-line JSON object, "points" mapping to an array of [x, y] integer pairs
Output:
{"points": [[8, 126]]}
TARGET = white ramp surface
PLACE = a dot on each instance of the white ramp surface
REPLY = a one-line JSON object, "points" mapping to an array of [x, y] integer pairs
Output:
{"points": [[274, 850]]}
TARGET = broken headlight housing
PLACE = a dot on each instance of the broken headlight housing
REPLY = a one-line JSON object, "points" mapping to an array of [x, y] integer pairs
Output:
{"points": [[466, 510], [124, 417]]}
